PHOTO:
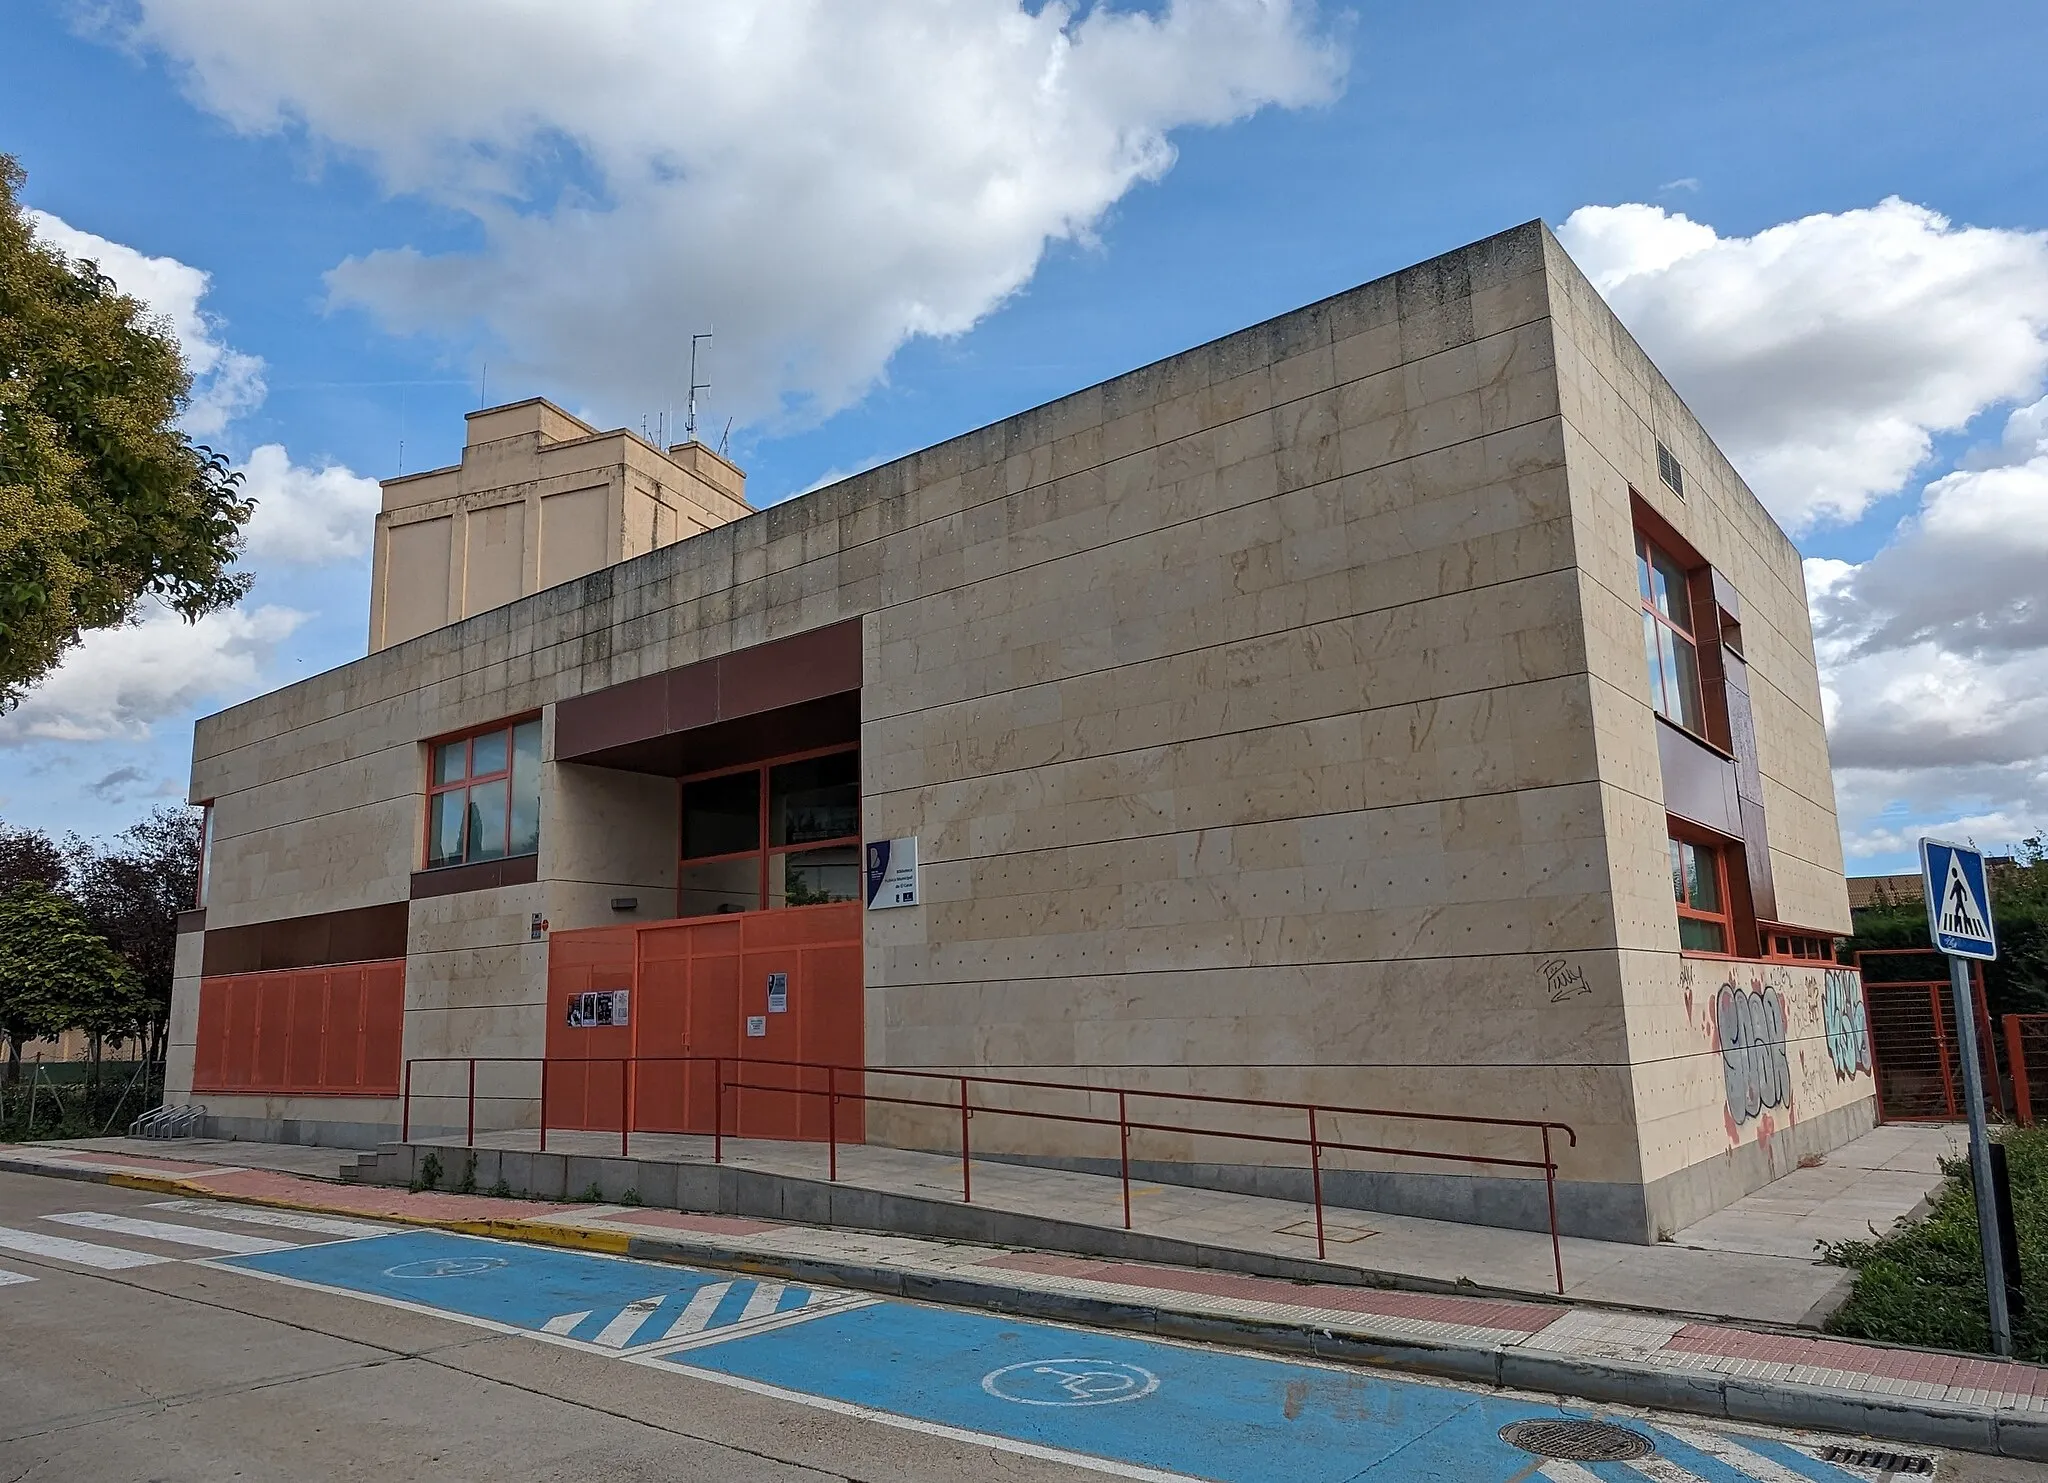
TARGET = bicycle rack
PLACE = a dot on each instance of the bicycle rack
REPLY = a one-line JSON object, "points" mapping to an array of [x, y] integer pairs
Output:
{"points": [[170, 1122]]}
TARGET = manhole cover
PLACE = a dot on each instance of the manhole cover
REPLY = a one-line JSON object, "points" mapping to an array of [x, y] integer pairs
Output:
{"points": [[1577, 1441]]}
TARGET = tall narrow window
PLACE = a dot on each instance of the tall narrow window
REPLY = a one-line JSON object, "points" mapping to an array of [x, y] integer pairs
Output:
{"points": [[483, 796], [1699, 885], [1669, 648], [205, 853], [780, 834]]}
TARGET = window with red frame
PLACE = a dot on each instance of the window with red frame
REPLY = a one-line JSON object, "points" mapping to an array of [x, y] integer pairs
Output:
{"points": [[1668, 644], [776, 834], [483, 795], [1699, 884]]}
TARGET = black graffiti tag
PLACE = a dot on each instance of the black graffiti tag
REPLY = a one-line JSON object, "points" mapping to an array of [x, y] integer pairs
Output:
{"points": [[1751, 1025]]}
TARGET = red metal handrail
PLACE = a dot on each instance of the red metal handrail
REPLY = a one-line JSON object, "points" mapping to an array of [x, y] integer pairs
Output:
{"points": [[1315, 1142]]}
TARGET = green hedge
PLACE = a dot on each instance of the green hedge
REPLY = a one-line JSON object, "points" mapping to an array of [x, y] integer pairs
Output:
{"points": [[1923, 1282]]}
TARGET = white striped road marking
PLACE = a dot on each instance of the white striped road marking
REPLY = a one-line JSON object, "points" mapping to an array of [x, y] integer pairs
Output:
{"points": [[291, 1220], [619, 1332], [163, 1230], [762, 1303], [1742, 1459], [1559, 1471], [8, 1279], [697, 1312], [819, 1305], [1663, 1470], [562, 1323], [80, 1253]]}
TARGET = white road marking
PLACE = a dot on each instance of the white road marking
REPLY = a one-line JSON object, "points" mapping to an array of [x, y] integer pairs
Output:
{"points": [[821, 1307], [1731, 1451], [291, 1220], [697, 1312], [8, 1279], [81, 1253], [1663, 1470], [1559, 1471], [562, 1323], [762, 1303], [619, 1332], [177, 1235]]}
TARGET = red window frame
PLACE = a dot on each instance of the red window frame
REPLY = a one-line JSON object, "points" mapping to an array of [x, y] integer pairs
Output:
{"points": [[1796, 944], [1701, 842], [1667, 691], [465, 783], [763, 849]]}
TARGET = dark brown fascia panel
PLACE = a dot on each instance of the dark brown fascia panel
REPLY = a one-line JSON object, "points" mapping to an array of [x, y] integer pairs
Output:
{"points": [[1699, 782], [484, 875], [363, 935], [192, 921], [600, 727]]}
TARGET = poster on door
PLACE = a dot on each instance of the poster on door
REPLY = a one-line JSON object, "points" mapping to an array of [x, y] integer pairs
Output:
{"points": [[604, 1008], [778, 993]]}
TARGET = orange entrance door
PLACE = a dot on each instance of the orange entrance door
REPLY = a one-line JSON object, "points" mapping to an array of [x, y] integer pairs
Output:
{"points": [[755, 990]]}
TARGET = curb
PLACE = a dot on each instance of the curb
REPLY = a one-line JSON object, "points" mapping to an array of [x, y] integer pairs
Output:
{"points": [[1983, 1429]]}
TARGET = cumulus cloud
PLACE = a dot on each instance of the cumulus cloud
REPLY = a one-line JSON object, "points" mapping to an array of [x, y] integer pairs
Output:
{"points": [[120, 681], [1935, 651], [225, 382], [306, 517], [1824, 354], [820, 181]]}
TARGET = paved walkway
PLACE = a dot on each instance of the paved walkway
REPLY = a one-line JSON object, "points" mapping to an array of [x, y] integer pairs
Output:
{"points": [[1755, 1260], [1653, 1359]]}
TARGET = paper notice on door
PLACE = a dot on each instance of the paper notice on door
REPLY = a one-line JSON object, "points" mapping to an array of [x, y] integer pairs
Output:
{"points": [[757, 1024]]}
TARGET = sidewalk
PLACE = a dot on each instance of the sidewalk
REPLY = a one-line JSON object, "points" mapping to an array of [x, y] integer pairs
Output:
{"points": [[1755, 1260], [1644, 1359]]}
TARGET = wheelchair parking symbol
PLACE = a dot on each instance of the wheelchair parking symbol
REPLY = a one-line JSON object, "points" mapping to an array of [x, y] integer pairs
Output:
{"points": [[446, 1266], [1070, 1382]]}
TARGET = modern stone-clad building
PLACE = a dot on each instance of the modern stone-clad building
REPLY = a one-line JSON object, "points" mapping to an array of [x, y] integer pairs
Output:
{"points": [[1398, 704]]}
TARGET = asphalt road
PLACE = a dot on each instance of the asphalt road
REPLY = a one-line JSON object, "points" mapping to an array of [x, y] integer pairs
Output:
{"points": [[148, 1339]]}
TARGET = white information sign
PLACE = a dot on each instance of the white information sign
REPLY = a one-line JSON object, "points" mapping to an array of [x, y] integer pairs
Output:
{"points": [[757, 1025], [892, 872]]}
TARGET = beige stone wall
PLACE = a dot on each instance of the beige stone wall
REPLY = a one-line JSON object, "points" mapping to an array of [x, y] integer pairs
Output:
{"points": [[1616, 406], [1267, 719]]}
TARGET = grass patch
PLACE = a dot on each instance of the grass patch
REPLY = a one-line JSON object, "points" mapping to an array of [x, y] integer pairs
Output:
{"points": [[1923, 1282]]}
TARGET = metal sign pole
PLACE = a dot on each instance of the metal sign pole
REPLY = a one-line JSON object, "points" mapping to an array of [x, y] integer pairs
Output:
{"points": [[1980, 1155]]}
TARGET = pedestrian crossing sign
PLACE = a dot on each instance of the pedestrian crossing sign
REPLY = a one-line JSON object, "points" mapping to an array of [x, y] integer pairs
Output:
{"points": [[1958, 900]]}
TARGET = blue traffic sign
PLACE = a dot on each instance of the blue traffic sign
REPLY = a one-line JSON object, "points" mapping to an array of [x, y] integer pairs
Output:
{"points": [[1958, 900]]}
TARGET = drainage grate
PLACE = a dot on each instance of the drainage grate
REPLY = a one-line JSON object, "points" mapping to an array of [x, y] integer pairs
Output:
{"points": [[1883, 1462], [1577, 1441]]}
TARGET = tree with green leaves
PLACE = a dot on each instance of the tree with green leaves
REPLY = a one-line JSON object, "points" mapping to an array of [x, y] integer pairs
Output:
{"points": [[132, 892], [103, 500], [55, 971]]}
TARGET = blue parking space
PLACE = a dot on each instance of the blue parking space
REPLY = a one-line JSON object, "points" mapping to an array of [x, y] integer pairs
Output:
{"points": [[1146, 1408], [613, 1304]]}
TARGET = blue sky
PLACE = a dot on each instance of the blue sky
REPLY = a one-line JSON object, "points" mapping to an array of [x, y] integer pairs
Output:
{"points": [[1313, 149]]}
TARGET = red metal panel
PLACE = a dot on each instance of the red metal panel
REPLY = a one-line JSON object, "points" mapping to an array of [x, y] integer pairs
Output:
{"points": [[316, 1032]]}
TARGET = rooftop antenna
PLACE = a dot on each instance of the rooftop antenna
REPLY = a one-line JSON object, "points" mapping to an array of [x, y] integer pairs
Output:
{"points": [[723, 436], [483, 390], [690, 417]]}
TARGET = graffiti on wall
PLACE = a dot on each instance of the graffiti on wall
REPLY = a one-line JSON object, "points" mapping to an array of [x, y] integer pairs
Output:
{"points": [[1842, 1015], [1750, 1026]]}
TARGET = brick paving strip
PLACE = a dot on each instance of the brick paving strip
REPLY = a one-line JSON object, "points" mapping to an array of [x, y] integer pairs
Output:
{"points": [[1925, 1397]]}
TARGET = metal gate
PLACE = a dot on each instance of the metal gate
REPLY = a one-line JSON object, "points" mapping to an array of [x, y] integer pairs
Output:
{"points": [[2026, 1059], [1913, 1042]]}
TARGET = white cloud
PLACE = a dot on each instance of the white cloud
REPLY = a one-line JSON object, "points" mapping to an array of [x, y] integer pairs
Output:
{"points": [[306, 517], [225, 382], [1823, 354], [120, 681], [1935, 654], [820, 181]]}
